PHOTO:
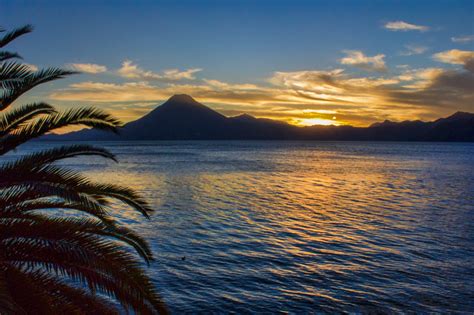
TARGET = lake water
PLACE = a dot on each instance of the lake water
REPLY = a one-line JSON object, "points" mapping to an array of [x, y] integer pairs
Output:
{"points": [[302, 227]]}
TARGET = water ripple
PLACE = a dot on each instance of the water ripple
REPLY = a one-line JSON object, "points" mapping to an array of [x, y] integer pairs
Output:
{"points": [[303, 227]]}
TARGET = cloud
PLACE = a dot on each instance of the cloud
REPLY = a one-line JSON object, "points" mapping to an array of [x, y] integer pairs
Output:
{"points": [[130, 70], [403, 66], [404, 26], [301, 97], [109, 92], [31, 67], [223, 85], [414, 50], [455, 57], [419, 78], [88, 67], [443, 90], [357, 58], [463, 39], [145, 91]]}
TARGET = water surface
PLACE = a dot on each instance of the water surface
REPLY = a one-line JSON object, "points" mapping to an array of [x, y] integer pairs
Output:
{"points": [[302, 227]]}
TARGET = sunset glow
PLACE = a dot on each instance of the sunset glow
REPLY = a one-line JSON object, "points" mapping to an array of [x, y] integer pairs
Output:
{"points": [[377, 66], [236, 157], [317, 121]]}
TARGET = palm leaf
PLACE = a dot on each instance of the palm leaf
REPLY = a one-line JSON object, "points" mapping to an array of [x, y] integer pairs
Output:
{"points": [[63, 178], [26, 294], [10, 36], [45, 157], [12, 74], [6, 55], [16, 118], [7, 301], [85, 205], [71, 300], [43, 227], [52, 262], [86, 116], [115, 272], [23, 82]]}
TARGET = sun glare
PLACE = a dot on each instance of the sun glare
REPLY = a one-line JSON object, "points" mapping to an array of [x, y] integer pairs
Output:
{"points": [[317, 121]]}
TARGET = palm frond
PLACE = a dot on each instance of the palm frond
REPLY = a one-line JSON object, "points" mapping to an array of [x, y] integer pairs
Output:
{"points": [[6, 55], [46, 157], [52, 262], [85, 116], [63, 178], [85, 206], [12, 35], [24, 82], [78, 300], [12, 74], [8, 305], [115, 271], [44, 227], [40, 293], [16, 118], [25, 293], [71, 300]]}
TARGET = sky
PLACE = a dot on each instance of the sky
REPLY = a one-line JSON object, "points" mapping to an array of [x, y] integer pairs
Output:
{"points": [[304, 62]]}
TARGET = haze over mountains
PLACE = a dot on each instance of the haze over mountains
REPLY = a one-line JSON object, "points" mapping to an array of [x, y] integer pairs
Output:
{"points": [[183, 118]]}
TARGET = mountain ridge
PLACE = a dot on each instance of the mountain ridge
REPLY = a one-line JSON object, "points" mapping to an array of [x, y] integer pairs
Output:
{"points": [[183, 118]]}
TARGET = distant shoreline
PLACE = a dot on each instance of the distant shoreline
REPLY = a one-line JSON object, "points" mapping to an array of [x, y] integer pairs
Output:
{"points": [[248, 140], [183, 118]]}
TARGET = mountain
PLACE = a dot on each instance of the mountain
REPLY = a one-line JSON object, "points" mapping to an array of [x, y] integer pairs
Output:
{"points": [[183, 118], [457, 127]]}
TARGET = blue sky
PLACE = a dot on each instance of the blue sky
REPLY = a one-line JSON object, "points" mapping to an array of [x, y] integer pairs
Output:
{"points": [[301, 61]]}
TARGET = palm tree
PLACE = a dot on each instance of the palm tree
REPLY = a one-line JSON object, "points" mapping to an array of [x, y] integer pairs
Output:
{"points": [[50, 262]]}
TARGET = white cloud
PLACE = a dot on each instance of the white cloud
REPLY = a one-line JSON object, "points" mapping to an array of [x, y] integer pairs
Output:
{"points": [[176, 74], [223, 85], [414, 50], [357, 58], [455, 56], [88, 67], [404, 26], [130, 70], [463, 39]]}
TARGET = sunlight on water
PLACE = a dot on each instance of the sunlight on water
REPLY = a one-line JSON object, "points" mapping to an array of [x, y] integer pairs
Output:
{"points": [[301, 226]]}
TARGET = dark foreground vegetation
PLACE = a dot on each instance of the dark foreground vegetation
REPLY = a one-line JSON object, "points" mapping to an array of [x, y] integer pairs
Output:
{"points": [[52, 262]]}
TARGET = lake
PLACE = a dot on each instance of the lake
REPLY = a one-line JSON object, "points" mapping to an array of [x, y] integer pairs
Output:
{"points": [[301, 227]]}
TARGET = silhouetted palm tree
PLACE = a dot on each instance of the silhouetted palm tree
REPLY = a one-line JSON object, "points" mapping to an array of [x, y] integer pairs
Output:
{"points": [[51, 262]]}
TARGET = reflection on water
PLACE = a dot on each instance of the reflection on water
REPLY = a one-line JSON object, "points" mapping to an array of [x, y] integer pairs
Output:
{"points": [[303, 226]]}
